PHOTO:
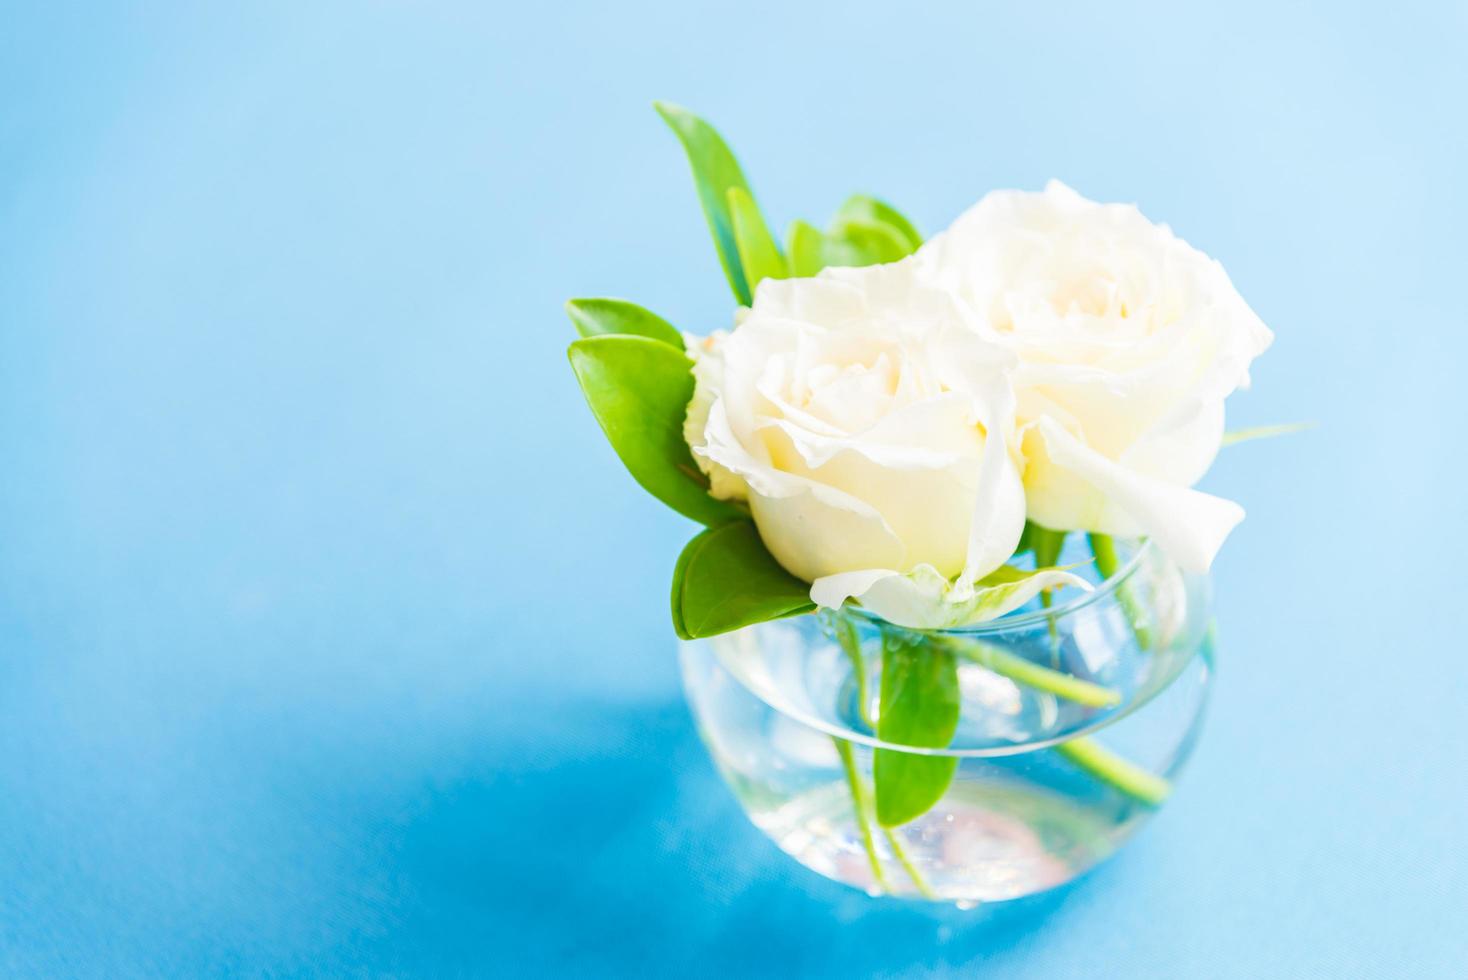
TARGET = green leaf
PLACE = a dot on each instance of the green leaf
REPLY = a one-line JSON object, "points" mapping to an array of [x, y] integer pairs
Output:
{"points": [[725, 579], [858, 243], [596, 317], [715, 171], [920, 708], [805, 243], [758, 254], [864, 232], [869, 210], [638, 389]]}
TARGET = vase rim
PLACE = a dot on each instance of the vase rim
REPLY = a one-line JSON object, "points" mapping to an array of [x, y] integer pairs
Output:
{"points": [[1167, 666]]}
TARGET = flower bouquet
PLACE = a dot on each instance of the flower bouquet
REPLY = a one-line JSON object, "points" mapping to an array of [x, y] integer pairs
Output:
{"points": [[947, 629]]}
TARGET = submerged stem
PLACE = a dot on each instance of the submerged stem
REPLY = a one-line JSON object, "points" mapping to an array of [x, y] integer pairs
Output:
{"points": [[1030, 674], [1107, 766], [850, 642], [859, 807], [1107, 563], [899, 852], [1088, 755], [1048, 545]]}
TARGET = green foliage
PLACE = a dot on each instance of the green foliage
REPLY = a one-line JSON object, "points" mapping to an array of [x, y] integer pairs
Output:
{"points": [[758, 254], [865, 231], [726, 579], [863, 209], [806, 245], [638, 389], [858, 243], [598, 317], [919, 707], [715, 173]]}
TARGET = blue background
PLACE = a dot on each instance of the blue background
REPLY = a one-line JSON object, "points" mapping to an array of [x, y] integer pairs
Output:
{"points": [[333, 638]]}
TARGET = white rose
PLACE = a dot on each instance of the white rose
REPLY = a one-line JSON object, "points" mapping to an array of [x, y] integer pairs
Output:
{"points": [[869, 426], [1128, 341]]}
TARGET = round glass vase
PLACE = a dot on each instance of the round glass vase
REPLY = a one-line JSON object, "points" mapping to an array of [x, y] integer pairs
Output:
{"points": [[1073, 722]]}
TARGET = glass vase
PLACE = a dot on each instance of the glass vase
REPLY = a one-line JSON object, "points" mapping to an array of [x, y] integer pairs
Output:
{"points": [[1075, 717]]}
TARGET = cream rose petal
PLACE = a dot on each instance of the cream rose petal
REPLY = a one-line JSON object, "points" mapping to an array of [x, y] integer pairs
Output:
{"points": [[871, 424], [810, 528], [924, 599], [1189, 525]]}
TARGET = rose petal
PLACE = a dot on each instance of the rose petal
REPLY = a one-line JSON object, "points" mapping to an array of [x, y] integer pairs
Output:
{"points": [[1189, 525], [924, 599]]}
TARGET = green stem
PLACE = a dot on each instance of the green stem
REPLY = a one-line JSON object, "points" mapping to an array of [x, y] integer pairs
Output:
{"points": [[859, 807], [850, 641], [1107, 564], [1128, 777], [1085, 753], [1104, 550], [1047, 544], [899, 852], [1023, 671]]}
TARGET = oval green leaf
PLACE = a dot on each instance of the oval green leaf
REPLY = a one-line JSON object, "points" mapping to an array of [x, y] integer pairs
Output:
{"points": [[600, 316], [638, 389], [726, 579], [919, 707]]}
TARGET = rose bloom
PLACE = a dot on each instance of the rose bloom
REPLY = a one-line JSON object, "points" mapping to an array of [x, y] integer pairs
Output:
{"points": [[1128, 340], [868, 424]]}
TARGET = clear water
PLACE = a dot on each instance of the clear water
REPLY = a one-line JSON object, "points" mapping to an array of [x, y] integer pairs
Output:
{"points": [[776, 702], [988, 842]]}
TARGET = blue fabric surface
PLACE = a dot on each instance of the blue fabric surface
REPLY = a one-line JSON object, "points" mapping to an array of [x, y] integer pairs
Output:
{"points": [[333, 638]]}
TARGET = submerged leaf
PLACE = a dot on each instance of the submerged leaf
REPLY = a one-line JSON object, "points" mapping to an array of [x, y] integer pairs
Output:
{"points": [[919, 707], [725, 579], [596, 317], [638, 389]]}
